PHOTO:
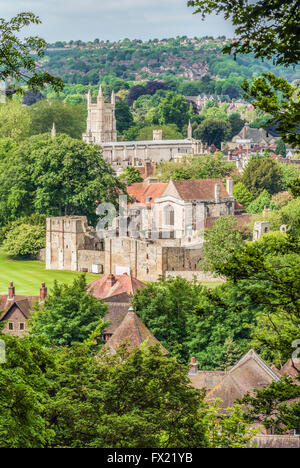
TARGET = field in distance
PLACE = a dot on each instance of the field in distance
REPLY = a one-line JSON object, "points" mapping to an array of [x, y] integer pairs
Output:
{"points": [[27, 275]]}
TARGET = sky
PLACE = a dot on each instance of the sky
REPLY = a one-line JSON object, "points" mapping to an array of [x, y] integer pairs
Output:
{"points": [[113, 20]]}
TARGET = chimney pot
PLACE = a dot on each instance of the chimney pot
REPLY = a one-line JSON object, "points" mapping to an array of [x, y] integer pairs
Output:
{"points": [[43, 292], [11, 291], [193, 367]]}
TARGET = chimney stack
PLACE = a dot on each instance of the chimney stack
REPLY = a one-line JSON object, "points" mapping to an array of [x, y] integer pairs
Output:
{"points": [[217, 192], [111, 280], [229, 186], [43, 293], [11, 292], [193, 367]]}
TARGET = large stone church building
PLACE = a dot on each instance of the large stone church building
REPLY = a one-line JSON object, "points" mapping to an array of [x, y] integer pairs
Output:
{"points": [[101, 130]]}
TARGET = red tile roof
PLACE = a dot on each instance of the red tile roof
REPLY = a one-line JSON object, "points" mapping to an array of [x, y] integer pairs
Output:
{"points": [[199, 189], [115, 288], [142, 191]]}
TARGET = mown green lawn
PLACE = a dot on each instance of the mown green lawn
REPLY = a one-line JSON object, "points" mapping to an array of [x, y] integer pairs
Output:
{"points": [[28, 275]]}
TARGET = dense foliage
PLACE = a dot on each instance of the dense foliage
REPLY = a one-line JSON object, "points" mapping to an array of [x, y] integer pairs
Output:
{"points": [[59, 176], [69, 314]]}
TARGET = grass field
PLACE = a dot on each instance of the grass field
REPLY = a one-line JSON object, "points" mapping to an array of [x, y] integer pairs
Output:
{"points": [[28, 275]]}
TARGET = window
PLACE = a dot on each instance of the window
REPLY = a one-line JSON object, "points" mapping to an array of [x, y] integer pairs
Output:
{"points": [[10, 326], [22, 326], [169, 216]]}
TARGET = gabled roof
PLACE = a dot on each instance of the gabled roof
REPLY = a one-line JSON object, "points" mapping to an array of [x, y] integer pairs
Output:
{"points": [[146, 192], [133, 332], [116, 314], [23, 303], [292, 369], [249, 373], [115, 288], [197, 189]]}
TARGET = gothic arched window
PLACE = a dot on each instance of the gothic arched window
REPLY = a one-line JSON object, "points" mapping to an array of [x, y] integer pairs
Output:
{"points": [[169, 215]]}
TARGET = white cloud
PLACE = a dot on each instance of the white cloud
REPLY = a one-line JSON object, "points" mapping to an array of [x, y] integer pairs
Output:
{"points": [[115, 19]]}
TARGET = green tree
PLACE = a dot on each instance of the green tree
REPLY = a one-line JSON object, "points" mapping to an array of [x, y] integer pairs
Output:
{"points": [[261, 202], [241, 194], [267, 272], [193, 167], [124, 116], [126, 400], [68, 119], [271, 407], [236, 123], [164, 307], [213, 132], [131, 175], [69, 314], [17, 62], [220, 242], [169, 132], [23, 394], [262, 174], [294, 187], [25, 240], [227, 428], [59, 176], [270, 31], [173, 109], [280, 148], [15, 121]]}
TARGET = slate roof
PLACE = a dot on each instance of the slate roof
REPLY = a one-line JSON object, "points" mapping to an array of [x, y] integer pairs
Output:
{"points": [[199, 189], [133, 332]]}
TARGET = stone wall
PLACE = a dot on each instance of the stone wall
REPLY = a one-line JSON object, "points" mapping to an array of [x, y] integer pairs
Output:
{"points": [[277, 441], [88, 258], [200, 276]]}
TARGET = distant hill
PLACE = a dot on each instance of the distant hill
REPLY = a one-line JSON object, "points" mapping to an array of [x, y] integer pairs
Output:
{"points": [[78, 62]]}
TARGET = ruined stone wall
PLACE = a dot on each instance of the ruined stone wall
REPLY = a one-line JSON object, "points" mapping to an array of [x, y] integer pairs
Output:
{"points": [[88, 258], [201, 276]]}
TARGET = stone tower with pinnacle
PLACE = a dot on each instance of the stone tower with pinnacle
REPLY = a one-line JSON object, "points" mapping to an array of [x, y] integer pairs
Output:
{"points": [[101, 120]]}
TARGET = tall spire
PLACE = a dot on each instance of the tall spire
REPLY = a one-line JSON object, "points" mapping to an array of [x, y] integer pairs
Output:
{"points": [[89, 99], [53, 131], [113, 98], [190, 131]]}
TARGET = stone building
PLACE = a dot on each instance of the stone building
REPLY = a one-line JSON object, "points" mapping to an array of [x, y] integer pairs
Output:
{"points": [[101, 130], [161, 235], [16, 310]]}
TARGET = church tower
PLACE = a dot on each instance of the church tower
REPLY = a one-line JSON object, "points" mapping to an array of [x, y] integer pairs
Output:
{"points": [[101, 120]]}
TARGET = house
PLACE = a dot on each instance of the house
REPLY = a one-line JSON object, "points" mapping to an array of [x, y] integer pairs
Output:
{"points": [[134, 333], [249, 373], [116, 291], [16, 310]]}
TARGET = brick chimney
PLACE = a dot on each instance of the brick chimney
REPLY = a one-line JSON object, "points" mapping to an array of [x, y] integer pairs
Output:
{"points": [[193, 367], [43, 292], [111, 280], [11, 292], [148, 169]]}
